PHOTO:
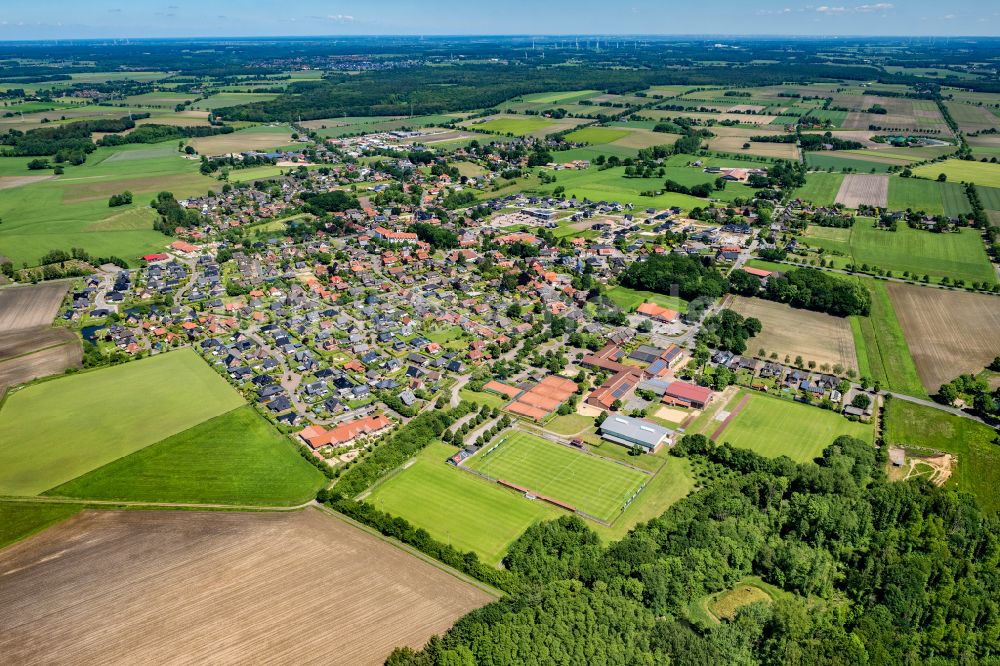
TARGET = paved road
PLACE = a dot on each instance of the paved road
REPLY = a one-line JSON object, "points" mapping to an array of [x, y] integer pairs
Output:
{"points": [[936, 405]]}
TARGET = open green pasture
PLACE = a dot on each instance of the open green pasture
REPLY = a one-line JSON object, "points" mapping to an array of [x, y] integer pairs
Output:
{"points": [[821, 188], [883, 354], [959, 254], [962, 171], [775, 427], [235, 458], [72, 210], [56, 430]]}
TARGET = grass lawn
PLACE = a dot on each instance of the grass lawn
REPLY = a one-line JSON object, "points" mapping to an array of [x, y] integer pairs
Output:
{"points": [[883, 354], [978, 471], [457, 507], [57, 430], [591, 484], [221, 100], [630, 299], [820, 188], [774, 427], [570, 424], [482, 398], [19, 521], [235, 458], [959, 171]]}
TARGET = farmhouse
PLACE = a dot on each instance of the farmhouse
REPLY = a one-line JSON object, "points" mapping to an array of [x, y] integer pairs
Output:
{"points": [[633, 432], [687, 395], [654, 311]]}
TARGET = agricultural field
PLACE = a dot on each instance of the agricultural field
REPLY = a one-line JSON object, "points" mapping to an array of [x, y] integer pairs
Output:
{"points": [[775, 427], [32, 353], [596, 135], [821, 188], [262, 137], [790, 332], [103, 587], [518, 126], [929, 196], [25, 307], [956, 255], [224, 99], [57, 430], [847, 163], [972, 118], [856, 190], [20, 520], [72, 210], [611, 185], [882, 350], [197, 466], [923, 429], [428, 492], [961, 171], [589, 483], [949, 332], [732, 140]]}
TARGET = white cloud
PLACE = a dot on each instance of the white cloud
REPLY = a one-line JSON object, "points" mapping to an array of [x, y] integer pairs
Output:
{"points": [[877, 7], [824, 9], [340, 18], [857, 9]]}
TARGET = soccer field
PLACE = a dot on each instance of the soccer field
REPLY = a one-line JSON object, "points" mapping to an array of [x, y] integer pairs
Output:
{"points": [[589, 483]]}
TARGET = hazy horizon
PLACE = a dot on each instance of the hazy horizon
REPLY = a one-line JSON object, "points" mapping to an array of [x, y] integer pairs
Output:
{"points": [[178, 19]]}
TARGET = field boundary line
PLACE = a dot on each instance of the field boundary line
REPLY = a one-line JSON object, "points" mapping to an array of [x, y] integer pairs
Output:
{"points": [[441, 566], [736, 410]]}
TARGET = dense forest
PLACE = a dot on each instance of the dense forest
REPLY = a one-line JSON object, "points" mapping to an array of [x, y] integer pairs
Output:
{"points": [[872, 572], [424, 90], [665, 274]]}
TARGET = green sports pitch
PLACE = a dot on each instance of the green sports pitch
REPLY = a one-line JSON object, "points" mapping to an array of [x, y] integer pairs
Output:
{"points": [[593, 485]]}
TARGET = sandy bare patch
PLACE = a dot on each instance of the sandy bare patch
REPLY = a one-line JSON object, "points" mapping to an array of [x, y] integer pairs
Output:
{"points": [[10, 182], [672, 414], [949, 332], [858, 189], [161, 587]]}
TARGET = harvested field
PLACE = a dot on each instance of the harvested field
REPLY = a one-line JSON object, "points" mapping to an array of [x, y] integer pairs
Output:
{"points": [[813, 335], [186, 587], [731, 140], [863, 189], [949, 332], [257, 138], [37, 356], [30, 307], [10, 182]]}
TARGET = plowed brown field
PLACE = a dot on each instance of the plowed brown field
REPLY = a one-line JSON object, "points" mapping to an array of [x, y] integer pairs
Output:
{"points": [[171, 587], [949, 332]]}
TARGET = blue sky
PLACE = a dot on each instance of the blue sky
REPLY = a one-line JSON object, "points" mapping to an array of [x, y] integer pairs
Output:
{"points": [[61, 19]]}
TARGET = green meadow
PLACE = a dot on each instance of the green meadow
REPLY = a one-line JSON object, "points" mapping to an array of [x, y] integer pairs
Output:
{"points": [[775, 427], [56, 430], [235, 458], [72, 210]]}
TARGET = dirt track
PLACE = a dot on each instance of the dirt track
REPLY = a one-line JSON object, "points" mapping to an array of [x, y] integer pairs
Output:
{"points": [[949, 332], [30, 306], [164, 587]]}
